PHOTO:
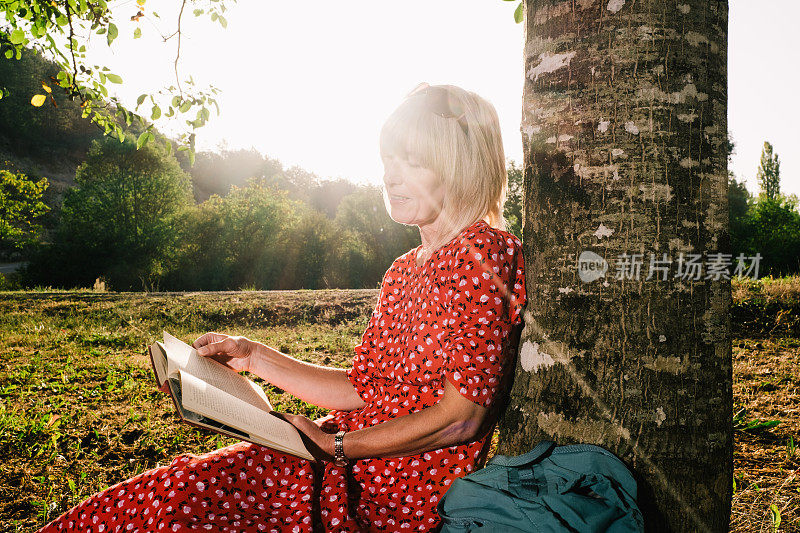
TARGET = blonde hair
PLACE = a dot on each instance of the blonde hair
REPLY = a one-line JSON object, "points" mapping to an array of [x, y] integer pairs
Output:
{"points": [[471, 167]]}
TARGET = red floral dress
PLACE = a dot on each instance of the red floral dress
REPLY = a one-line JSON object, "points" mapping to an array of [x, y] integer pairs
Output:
{"points": [[449, 318]]}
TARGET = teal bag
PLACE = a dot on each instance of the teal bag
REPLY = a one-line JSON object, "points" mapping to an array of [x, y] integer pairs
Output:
{"points": [[576, 488]]}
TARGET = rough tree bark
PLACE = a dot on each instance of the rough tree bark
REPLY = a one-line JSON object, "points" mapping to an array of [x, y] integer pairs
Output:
{"points": [[625, 140]]}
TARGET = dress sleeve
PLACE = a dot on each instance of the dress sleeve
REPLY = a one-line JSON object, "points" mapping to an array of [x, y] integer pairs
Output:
{"points": [[361, 372], [486, 297]]}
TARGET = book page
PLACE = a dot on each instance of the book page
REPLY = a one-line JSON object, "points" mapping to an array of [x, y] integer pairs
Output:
{"points": [[185, 358], [198, 419], [158, 357], [211, 402], [178, 353]]}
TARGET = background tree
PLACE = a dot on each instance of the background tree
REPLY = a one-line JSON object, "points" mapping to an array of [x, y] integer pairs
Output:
{"points": [[216, 172], [327, 195], [237, 241], [773, 230], [119, 222], [739, 198], [769, 173], [20, 207], [313, 238], [740, 202], [257, 218], [624, 131], [381, 239], [512, 211], [768, 225], [351, 263]]}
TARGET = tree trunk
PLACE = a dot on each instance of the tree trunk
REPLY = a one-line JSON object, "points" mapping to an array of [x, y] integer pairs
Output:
{"points": [[625, 142]]}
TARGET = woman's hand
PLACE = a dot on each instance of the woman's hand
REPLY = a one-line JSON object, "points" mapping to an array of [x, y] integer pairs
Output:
{"points": [[235, 352], [318, 442]]}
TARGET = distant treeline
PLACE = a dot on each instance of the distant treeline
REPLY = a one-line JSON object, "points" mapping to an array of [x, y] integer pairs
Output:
{"points": [[133, 221], [145, 219]]}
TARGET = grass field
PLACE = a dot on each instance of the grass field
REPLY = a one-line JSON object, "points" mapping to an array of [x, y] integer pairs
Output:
{"points": [[79, 411]]}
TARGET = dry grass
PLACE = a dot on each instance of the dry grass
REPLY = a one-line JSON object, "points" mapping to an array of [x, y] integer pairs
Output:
{"points": [[767, 290], [766, 462], [766, 308]]}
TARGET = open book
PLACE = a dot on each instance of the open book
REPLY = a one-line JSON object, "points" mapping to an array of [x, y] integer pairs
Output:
{"points": [[210, 395]]}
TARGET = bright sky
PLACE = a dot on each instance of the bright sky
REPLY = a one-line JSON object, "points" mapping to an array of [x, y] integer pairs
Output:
{"points": [[310, 83]]}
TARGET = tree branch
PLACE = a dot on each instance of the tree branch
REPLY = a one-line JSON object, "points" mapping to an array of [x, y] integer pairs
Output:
{"points": [[178, 54], [74, 88]]}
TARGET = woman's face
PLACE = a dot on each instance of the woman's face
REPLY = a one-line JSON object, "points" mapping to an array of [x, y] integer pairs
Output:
{"points": [[414, 194]]}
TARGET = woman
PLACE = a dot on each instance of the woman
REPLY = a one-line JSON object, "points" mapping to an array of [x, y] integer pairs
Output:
{"points": [[416, 408]]}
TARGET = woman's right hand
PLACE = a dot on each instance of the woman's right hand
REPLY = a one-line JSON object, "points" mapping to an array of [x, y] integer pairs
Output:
{"points": [[234, 352]]}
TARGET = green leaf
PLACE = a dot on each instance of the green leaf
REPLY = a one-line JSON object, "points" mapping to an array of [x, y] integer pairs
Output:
{"points": [[113, 78], [518, 13], [223, 21], [156, 113], [112, 33], [140, 99], [185, 106], [9, 54], [17, 36], [176, 101], [137, 33], [775, 514], [142, 140]]}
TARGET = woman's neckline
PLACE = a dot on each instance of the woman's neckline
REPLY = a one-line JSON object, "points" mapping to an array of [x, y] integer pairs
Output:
{"points": [[415, 262]]}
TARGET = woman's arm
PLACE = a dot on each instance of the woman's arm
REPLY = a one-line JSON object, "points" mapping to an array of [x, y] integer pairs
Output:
{"points": [[453, 420], [324, 386]]}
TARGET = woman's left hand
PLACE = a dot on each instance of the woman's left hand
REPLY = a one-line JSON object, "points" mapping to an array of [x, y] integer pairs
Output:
{"points": [[319, 443]]}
